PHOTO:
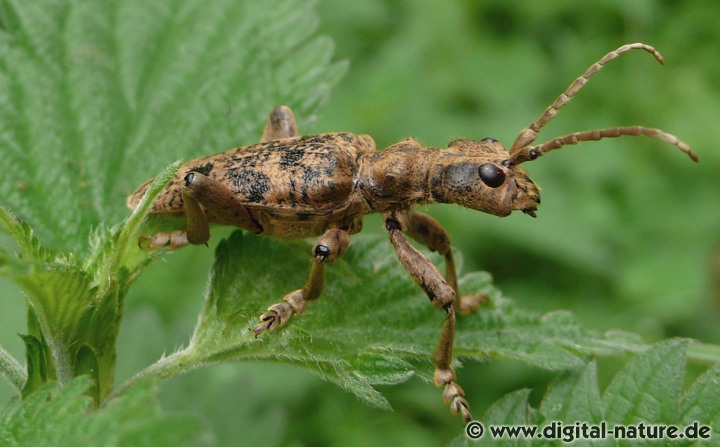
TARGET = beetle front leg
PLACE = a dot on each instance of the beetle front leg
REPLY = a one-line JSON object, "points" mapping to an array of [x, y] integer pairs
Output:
{"points": [[428, 231], [328, 248], [280, 124], [441, 295]]}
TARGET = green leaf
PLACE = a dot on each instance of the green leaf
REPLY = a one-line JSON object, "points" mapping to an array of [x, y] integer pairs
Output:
{"points": [[702, 401], [648, 388], [38, 366], [511, 409], [86, 363], [62, 416], [574, 396], [29, 247], [372, 325], [97, 96], [127, 86], [74, 307], [58, 297]]}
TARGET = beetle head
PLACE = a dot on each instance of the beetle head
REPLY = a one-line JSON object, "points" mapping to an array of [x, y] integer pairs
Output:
{"points": [[478, 175]]}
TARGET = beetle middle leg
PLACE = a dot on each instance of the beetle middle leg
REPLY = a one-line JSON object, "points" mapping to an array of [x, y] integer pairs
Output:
{"points": [[428, 231], [328, 248], [442, 296]]}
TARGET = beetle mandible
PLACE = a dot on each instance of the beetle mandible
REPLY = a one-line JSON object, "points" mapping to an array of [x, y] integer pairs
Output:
{"points": [[292, 186]]}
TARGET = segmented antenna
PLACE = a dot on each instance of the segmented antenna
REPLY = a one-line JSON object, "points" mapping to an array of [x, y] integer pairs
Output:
{"points": [[614, 132], [521, 150]]}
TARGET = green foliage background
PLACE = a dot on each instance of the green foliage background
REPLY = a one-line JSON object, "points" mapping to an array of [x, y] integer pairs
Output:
{"points": [[628, 234]]}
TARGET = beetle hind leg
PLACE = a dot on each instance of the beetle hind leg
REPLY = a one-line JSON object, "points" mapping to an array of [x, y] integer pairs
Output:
{"points": [[171, 241], [445, 376], [203, 196], [329, 247], [428, 231], [280, 124]]}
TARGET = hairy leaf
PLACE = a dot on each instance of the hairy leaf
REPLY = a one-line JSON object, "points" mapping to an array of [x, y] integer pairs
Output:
{"points": [[75, 307], [702, 401], [648, 388], [636, 394], [62, 416], [574, 396], [372, 326], [96, 96]]}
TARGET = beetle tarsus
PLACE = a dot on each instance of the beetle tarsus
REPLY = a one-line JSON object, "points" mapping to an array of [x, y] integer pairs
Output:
{"points": [[472, 302], [170, 241], [331, 245], [453, 394], [276, 316]]}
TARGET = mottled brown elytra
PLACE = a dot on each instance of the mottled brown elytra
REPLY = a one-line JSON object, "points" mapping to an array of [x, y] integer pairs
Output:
{"points": [[292, 186]]}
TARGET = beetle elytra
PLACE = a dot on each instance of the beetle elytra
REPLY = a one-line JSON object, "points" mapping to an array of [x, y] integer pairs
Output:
{"points": [[292, 186]]}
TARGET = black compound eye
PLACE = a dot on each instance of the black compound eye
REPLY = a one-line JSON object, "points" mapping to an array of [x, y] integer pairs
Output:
{"points": [[491, 175]]}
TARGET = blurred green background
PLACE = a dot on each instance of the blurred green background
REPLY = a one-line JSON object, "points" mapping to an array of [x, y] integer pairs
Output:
{"points": [[628, 234]]}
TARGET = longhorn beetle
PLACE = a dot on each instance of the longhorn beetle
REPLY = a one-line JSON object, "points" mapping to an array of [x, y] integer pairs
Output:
{"points": [[292, 186]]}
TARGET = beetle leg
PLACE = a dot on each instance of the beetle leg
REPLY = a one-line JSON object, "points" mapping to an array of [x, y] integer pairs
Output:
{"points": [[280, 124], [428, 231], [198, 229], [441, 295], [203, 196], [328, 248], [172, 241]]}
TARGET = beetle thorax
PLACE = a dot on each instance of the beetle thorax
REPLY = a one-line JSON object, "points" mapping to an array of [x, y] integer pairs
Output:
{"points": [[397, 177]]}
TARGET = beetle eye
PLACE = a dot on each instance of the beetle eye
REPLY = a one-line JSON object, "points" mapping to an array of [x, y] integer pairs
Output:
{"points": [[491, 175]]}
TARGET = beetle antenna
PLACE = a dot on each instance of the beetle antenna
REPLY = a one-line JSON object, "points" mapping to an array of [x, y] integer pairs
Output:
{"points": [[534, 152], [529, 134]]}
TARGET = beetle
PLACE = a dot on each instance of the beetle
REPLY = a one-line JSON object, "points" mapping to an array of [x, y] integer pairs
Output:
{"points": [[291, 186]]}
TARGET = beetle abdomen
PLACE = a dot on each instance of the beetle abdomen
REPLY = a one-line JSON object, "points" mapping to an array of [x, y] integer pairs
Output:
{"points": [[308, 174]]}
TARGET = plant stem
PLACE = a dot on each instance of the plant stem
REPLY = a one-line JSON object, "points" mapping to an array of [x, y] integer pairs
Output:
{"points": [[704, 352], [178, 363], [12, 370]]}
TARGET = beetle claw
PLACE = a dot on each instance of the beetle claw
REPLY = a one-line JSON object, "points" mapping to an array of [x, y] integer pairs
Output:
{"points": [[279, 314], [266, 325], [269, 322]]}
